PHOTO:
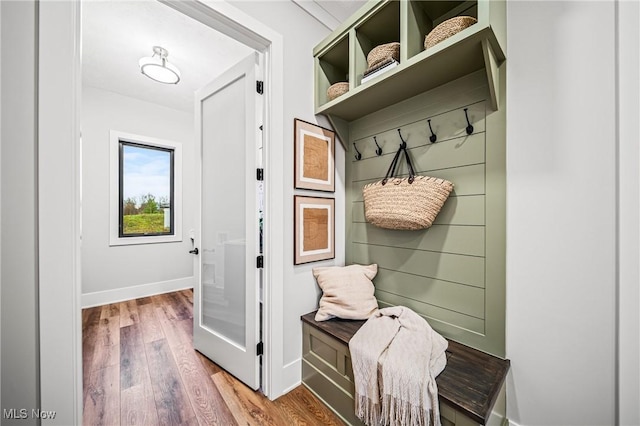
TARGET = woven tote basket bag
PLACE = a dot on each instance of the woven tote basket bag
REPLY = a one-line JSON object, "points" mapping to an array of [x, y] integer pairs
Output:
{"points": [[447, 29], [410, 203]]}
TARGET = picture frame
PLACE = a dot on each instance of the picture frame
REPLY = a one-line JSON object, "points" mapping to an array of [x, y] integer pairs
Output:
{"points": [[314, 161], [314, 233]]}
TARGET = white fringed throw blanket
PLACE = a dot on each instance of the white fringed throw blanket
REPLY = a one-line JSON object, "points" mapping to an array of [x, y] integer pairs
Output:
{"points": [[396, 356]]}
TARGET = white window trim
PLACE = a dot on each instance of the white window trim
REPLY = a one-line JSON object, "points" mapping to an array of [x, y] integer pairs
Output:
{"points": [[114, 175]]}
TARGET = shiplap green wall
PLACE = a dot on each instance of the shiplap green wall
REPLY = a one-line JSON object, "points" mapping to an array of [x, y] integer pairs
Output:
{"points": [[453, 273]]}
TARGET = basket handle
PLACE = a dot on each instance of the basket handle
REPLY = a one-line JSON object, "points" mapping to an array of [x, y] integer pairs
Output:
{"points": [[412, 173], [391, 172], [392, 168]]}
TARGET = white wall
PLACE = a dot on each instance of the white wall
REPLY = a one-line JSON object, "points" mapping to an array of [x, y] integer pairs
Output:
{"points": [[106, 268], [561, 212], [301, 33], [19, 310], [629, 212]]}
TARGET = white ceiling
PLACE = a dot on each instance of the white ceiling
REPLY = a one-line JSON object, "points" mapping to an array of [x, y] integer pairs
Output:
{"points": [[341, 9], [330, 12], [116, 34]]}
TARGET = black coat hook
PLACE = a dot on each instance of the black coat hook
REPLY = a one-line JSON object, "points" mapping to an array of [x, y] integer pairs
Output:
{"points": [[433, 138], [358, 154], [378, 149], [469, 126], [404, 143]]}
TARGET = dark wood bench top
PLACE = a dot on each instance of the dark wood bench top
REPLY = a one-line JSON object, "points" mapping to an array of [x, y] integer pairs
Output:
{"points": [[470, 382]]}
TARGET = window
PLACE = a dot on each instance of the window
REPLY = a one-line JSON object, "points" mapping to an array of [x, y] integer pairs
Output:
{"points": [[145, 190]]}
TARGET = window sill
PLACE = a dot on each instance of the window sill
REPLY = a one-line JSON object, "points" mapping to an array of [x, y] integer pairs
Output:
{"points": [[156, 239]]}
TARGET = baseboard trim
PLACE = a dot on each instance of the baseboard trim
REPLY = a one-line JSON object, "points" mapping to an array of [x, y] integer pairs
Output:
{"points": [[99, 298], [292, 376]]}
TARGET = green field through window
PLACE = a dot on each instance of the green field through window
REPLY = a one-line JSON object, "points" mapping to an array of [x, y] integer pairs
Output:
{"points": [[146, 190]]}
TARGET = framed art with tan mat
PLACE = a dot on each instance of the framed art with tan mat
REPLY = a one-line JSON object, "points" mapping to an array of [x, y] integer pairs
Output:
{"points": [[314, 166], [314, 233]]}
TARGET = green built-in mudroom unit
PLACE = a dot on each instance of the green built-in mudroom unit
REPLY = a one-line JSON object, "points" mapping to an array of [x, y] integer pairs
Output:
{"points": [[453, 273]]}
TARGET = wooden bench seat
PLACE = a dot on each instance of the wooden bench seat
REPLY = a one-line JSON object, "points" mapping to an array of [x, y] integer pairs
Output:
{"points": [[468, 387]]}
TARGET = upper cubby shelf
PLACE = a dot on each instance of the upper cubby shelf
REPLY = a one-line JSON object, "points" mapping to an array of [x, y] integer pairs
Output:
{"points": [[342, 56]]}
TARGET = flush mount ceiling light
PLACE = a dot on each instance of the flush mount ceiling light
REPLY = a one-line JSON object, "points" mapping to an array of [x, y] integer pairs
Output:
{"points": [[158, 68]]}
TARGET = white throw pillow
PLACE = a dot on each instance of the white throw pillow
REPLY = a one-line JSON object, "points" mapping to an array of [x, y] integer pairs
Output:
{"points": [[347, 292]]}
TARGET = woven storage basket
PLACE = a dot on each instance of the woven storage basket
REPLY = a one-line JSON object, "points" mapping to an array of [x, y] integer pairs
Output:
{"points": [[336, 90], [447, 29], [382, 53], [405, 203]]}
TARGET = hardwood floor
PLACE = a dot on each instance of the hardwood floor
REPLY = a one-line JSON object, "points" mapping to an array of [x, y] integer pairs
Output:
{"points": [[140, 368]]}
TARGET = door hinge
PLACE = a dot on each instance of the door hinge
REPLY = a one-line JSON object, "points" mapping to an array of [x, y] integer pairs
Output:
{"points": [[260, 261], [260, 174], [259, 349], [260, 87]]}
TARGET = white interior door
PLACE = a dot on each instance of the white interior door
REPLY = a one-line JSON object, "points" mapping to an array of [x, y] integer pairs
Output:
{"points": [[226, 294]]}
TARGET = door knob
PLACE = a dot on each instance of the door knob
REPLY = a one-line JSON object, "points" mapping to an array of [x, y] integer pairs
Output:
{"points": [[194, 251]]}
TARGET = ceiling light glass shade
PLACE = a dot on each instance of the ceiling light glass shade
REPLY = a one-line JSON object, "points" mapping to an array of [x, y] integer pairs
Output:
{"points": [[158, 68]]}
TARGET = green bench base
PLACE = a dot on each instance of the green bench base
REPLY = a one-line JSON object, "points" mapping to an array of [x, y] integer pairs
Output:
{"points": [[470, 389]]}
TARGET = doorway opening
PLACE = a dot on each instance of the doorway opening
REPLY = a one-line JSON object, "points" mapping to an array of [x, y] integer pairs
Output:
{"points": [[121, 107], [59, 171]]}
